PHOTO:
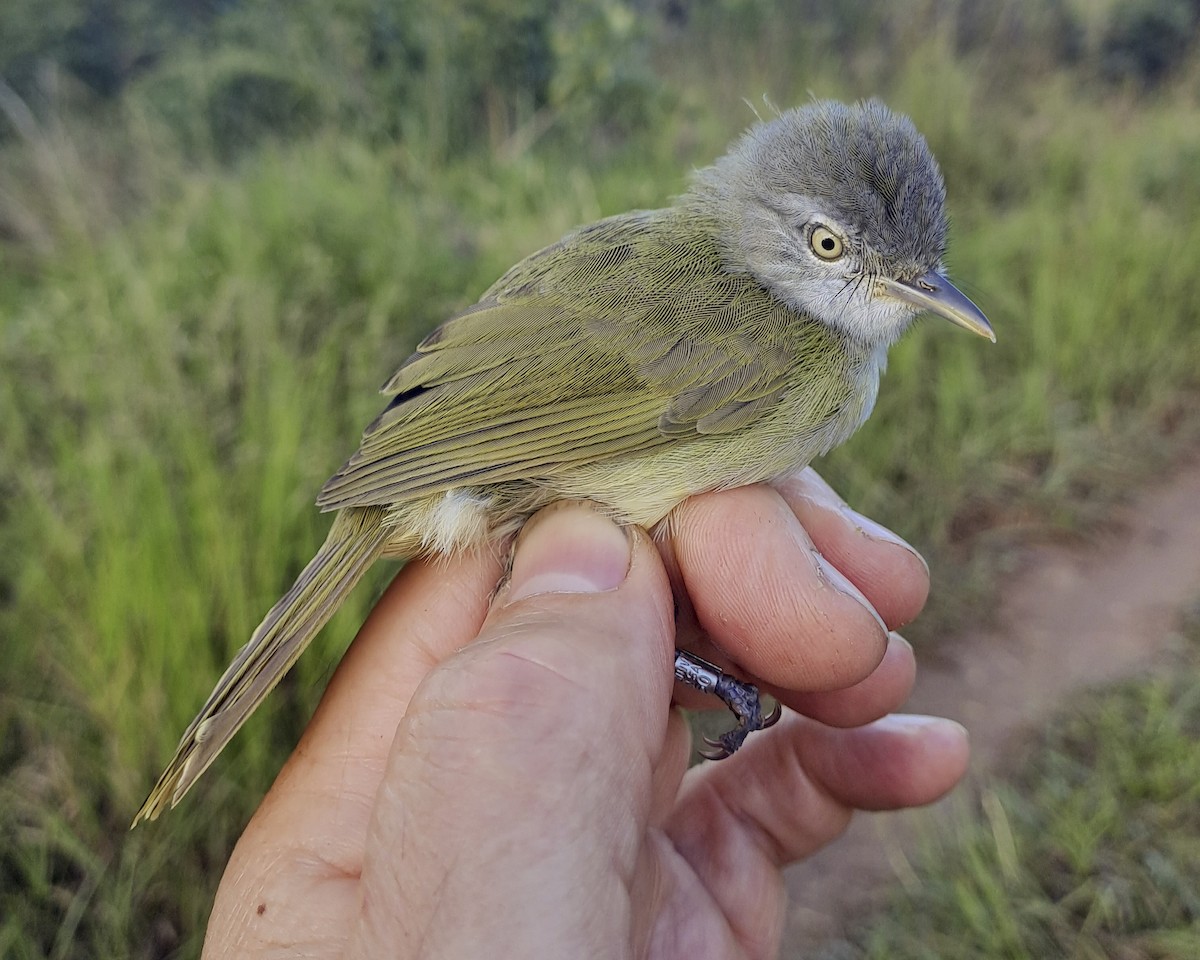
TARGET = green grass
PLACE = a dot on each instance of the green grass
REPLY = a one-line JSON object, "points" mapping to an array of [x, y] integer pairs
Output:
{"points": [[1087, 846], [189, 349]]}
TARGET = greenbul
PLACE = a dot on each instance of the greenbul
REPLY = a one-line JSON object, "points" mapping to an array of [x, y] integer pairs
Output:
{"points": [[727, 339]]}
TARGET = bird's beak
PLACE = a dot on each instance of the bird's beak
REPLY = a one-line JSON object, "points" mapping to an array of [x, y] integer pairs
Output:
{"points": [[935, 293]]}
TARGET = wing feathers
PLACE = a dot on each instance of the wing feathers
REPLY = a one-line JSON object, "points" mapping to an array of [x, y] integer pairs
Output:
{"points": [[511, 447], [623, 337]]}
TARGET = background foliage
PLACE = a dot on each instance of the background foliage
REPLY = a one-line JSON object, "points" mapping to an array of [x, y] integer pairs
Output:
{"points": [[222, 222]]}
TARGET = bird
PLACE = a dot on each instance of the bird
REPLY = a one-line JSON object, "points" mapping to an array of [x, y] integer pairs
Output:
{"points": [[726, 339]]}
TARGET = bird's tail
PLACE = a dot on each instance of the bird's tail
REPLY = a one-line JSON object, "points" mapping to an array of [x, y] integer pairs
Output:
{"points": [[355, 540]]}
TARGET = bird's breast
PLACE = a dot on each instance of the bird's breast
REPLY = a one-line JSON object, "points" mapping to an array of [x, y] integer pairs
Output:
{"points": [[810, 418]]}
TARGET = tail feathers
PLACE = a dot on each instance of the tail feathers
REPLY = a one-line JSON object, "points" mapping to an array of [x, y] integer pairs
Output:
{"points": [[355, 540]]}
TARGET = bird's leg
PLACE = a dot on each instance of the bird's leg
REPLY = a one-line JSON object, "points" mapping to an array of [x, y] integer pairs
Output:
{"points": [[740, 697]]}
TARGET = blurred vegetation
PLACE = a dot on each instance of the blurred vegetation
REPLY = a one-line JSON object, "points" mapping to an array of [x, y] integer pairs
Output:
{"points": [[1089, 846], [222, 222]]}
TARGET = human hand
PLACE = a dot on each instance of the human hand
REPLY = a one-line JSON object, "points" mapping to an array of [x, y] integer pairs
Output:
{"points": [[509, 780]]}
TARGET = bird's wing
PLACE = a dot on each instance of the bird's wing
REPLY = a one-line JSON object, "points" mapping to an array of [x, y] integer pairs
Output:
{"points": [[624, 337]]}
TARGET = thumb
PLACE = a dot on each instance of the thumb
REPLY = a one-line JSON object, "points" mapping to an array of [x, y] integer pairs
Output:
{"points": [[586, 620], [568, 548], [583, 629], [523, 764]]}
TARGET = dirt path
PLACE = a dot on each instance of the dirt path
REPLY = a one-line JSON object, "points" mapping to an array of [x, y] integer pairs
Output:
{"points": [[1070, 618]]}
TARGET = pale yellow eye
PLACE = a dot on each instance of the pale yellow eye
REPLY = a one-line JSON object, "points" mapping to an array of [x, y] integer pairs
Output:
{"points": [[826, 244]]}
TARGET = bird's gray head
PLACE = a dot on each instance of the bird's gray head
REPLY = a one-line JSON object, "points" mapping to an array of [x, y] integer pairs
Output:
{"points": [[840, 212]]}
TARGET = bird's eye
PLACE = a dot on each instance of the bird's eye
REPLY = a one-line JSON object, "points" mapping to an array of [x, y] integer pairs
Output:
{"points": [[826, 244]]}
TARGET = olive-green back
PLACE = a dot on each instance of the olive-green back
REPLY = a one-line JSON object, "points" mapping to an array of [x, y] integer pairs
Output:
{"points": [[626, 336]]}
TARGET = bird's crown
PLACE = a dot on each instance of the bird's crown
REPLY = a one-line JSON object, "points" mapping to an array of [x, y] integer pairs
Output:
{"points": [[827, 198]]}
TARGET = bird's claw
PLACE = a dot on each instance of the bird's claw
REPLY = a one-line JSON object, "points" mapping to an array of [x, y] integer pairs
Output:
{"points": [[742, 699], [716, 751], [772, 718]]}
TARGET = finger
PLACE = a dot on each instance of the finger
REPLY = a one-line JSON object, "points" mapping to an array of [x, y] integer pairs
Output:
{"points": [[903, 760], [884, 691], [889, 572], [307, 834], [673, 763], [765, 595], [527, 758], [788, 793]]}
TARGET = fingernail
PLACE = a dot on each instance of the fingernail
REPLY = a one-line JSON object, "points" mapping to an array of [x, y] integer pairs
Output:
{"points": [[811, 486], [877, 531], [838, 580], [915, 723], [568, 548]]}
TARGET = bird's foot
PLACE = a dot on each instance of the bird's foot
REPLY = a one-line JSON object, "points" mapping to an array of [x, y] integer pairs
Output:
{"points": [[741, 698]]}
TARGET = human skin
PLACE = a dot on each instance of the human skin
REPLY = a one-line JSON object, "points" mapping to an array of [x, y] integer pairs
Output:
{"points": [[504, 774]]}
